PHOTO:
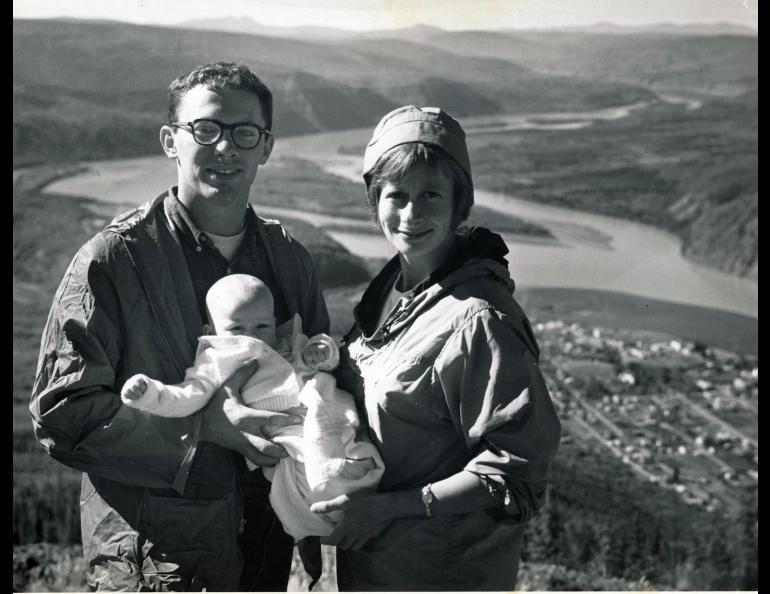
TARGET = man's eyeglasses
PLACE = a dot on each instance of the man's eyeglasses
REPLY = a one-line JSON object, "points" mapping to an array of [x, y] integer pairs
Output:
{"points": [[208, 132]]}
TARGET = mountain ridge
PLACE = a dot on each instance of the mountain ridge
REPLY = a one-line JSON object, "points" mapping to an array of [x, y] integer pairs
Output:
{"points": [[245, 24]]}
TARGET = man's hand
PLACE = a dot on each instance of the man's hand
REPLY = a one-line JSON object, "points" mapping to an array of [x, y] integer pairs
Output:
{"points": [[227, 422], [365, 515]]}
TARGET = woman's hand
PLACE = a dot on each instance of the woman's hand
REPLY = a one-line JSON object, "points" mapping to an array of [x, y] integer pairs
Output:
{"points": [[366, 514]]}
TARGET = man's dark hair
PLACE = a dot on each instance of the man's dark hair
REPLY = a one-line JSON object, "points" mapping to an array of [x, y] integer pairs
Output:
{"points": [[221, 75]]}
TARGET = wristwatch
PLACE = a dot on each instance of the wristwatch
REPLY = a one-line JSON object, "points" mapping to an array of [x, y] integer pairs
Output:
{"points": [[427, 498]]}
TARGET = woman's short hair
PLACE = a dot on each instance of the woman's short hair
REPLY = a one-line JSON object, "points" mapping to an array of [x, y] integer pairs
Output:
{"points": [[221, 75], [394, 165]]}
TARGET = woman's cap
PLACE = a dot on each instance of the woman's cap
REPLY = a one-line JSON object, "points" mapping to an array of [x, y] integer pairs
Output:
{"points": [[409, 124]]}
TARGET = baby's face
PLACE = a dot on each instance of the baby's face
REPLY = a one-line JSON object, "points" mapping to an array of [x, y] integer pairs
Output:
{"points": [[253, 318]]}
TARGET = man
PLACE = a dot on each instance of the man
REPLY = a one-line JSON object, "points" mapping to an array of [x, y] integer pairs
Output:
{"points": [[168, 504]]}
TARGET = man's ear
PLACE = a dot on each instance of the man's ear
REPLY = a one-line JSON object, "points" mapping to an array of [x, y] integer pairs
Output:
{"points": [[267, 149], [168, 142], [208, 330]]}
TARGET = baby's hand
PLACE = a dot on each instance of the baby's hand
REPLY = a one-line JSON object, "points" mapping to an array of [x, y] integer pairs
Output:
{"points": [[135, 390], [315, 353]]}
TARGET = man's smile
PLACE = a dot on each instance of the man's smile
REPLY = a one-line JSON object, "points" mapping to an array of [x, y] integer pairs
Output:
{"points": [[224, 170], [412, 234]]}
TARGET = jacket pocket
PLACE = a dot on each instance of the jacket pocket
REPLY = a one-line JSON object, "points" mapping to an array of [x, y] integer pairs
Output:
{"points": [[195, 540]]}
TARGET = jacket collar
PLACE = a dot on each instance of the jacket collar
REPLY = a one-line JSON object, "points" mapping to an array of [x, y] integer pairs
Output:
{"points": [[183, 222], [156, 254], [478, 252]]}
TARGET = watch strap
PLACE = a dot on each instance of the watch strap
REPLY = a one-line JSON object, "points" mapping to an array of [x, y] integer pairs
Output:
{"points": [[427, 498]]}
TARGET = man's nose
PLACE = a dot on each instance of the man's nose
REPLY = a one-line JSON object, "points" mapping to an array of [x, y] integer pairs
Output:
{"points": [[225, 145]]}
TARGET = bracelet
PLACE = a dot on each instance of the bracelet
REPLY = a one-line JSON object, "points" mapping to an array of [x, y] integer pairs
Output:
{"points": [[427, 498]]}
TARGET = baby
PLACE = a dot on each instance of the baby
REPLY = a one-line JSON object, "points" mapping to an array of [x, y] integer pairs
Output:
{"points": [[325, 460]]}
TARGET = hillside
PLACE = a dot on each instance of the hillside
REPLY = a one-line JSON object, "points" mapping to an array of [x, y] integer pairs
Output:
{"points": [[693, 172], [87, 90], [721, 64], [91, 90]]}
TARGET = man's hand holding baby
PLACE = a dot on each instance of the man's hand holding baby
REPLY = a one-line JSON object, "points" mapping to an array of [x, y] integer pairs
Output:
{"points": [[235, 426]]}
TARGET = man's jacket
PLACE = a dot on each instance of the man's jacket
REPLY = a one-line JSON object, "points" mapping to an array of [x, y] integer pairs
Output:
{"points": [[154, 500]]}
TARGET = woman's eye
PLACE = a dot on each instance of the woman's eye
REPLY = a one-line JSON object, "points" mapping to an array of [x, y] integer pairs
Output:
{"points": [[396, 197]]}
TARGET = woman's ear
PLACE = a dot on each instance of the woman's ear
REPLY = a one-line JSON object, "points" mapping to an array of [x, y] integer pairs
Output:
{"points": [[208, 330], [168, 142]]}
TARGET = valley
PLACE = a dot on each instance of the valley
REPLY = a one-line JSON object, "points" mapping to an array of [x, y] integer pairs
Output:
{"points": [[622, 172]]}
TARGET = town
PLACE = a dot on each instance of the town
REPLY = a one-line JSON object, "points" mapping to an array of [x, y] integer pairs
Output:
{"points": [[680, 415]]}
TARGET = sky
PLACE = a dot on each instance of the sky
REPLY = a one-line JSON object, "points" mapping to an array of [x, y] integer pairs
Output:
{"points": [[360, 15]]}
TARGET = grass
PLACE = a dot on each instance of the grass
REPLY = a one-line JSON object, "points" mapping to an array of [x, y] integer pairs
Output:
{"points": [[48, 567], [45, 501]]}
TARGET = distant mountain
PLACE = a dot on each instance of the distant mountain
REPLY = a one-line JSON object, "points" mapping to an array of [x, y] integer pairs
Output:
{"points": [[106, 82], [717, 65], [667, 28], [416, 33], [250, 26], [306, 33]]}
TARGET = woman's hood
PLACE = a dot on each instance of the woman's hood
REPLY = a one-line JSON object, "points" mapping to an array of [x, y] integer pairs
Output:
{"points": [[470, 271], [480, 254]]}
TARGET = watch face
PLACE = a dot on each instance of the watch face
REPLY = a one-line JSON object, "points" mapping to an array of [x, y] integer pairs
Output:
{"points": [[427, 496]]}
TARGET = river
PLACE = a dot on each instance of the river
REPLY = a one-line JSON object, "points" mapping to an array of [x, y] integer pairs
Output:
{"points": [[590, 251]]}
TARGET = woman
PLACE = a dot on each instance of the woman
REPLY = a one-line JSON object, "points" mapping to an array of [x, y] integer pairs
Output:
{"points": [[443, 364]]}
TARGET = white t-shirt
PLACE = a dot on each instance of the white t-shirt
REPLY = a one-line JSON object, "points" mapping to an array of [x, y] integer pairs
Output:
{"points": [[227, 244]]}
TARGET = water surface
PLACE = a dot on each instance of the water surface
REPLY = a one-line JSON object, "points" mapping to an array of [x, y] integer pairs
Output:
{"points": [[590, 251]]}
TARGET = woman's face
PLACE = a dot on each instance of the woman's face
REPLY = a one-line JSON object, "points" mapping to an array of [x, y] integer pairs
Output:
{"points": [[415, 214]]}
